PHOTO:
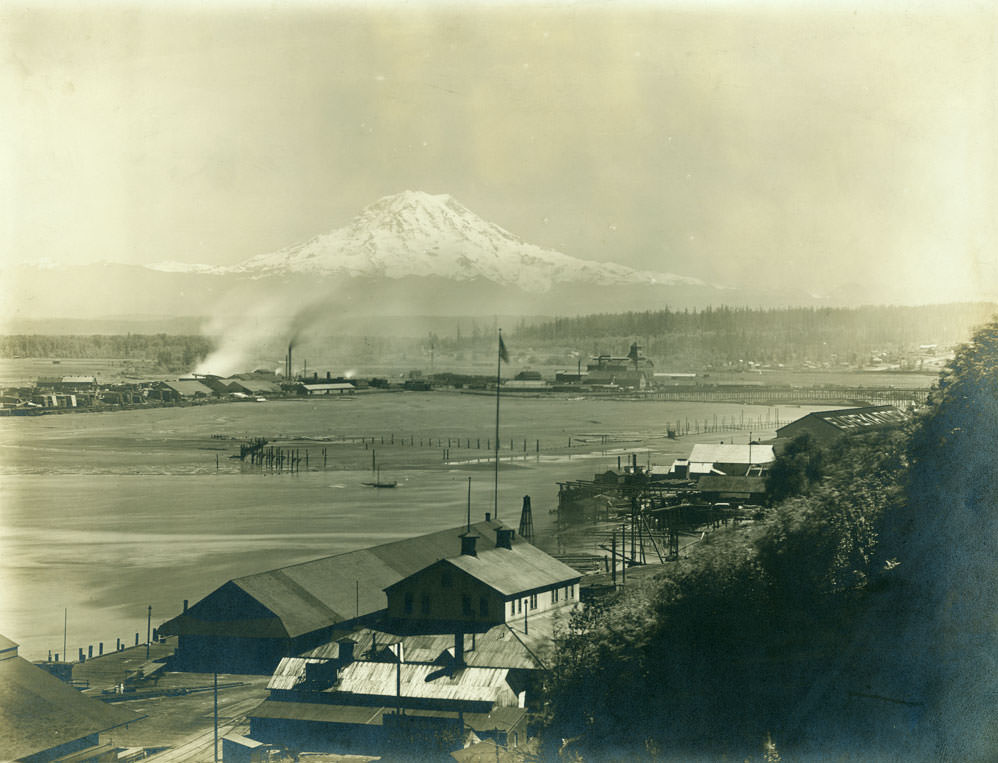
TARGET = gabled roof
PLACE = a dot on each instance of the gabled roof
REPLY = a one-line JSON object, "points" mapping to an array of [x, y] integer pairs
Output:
{"points": [[515, 570], [316, 594], [852, 420], [732, 454], [38, 711], [188, 387]]}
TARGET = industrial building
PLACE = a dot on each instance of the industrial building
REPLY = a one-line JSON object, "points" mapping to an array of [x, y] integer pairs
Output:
{"points": [[733, 460], [460, 651], [248, 624], [825, 427], [45, 719]]}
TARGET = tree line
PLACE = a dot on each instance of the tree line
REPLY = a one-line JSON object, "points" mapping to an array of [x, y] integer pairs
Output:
{"points": [[779, 335], [166, 350]]}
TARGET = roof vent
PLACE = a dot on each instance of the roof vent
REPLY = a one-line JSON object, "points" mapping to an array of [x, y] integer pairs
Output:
{"points": [[468, 544], [504, 538]]}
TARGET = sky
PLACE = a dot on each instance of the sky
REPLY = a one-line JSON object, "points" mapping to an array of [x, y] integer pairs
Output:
{"points": [[839, 149]]}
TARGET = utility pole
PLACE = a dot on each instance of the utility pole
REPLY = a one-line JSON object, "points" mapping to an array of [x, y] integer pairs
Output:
{"points": [[215, 749], [148, 630]]}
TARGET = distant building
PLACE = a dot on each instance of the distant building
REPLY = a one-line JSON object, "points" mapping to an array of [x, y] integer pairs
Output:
{"points": [[732, 460], [828, 426], [632, 371], [45, 719], [252, 386], [187, 389], [329, 388]]}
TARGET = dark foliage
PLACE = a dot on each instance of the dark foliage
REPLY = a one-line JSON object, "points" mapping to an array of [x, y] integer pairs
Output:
{"points": [[715, 653]]}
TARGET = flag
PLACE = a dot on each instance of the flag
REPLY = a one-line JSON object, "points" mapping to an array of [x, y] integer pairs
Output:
{"points": [[503, 355]]}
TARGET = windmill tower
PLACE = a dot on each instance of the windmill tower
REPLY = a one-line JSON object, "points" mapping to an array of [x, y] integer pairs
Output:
{"points": [[526, 520]]}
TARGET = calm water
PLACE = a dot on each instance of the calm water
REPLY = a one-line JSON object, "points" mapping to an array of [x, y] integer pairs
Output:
{"points": [[105, 514]]}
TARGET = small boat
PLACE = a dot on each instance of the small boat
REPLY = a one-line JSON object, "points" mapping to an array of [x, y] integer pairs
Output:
{"points": [[378, 482]]}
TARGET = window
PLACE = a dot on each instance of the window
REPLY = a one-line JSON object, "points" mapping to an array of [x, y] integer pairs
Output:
{"points": [[554, 596], [424, 604], [407, 603], [483, 606], [519, 605], [512, 607], [466, 606], [533, 601]]}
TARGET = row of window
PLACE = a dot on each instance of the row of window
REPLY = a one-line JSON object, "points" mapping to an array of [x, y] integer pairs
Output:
{"points": [[408, 602], [515, 606]]}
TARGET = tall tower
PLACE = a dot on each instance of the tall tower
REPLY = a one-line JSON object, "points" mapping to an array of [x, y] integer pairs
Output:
{"points": [[526, 520]]}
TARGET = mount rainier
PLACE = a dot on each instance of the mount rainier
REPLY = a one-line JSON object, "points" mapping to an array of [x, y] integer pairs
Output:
{"points": [[416, 234]]}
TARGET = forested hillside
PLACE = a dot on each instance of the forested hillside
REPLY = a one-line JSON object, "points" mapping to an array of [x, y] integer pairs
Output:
{"points": [[789, 335], [167, 350], [858, 620]]}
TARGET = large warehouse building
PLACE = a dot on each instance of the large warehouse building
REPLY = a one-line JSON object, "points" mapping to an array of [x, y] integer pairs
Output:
{"points": [[250, 623]]}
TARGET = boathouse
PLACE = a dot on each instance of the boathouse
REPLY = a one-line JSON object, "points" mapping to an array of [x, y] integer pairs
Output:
{"points": [[828, 426], [248, 624]]}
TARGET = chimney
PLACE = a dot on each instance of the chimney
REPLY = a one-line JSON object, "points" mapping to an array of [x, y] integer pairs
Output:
{"points": [[488, 516], [504, 538], [468, 541], [345, 650], [459, 650]]}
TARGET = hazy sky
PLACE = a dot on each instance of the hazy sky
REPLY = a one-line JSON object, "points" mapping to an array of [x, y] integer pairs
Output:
{"points": [[787, 144]]}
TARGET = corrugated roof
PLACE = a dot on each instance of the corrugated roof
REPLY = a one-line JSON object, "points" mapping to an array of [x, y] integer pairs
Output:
{"points": [[515, 570], [290, 672], [498, 718], [731, 454], [503, 646], [850, 420], [38, 711], [318, 387], [426, 681], [323, 592]]}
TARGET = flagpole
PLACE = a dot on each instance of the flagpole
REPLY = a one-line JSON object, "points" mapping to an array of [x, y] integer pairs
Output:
{"points": [[495, 494]]}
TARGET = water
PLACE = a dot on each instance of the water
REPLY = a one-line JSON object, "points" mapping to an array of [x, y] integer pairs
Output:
{"points": [[102, 515]]}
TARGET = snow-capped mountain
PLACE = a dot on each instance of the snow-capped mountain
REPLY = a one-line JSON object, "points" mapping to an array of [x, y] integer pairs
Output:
{"points": [[426, 235]]}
